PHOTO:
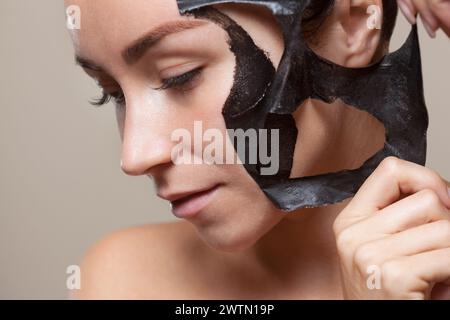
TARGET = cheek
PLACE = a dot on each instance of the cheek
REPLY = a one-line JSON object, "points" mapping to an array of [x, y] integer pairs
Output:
{"points": [[243, 214], [209, 98]]}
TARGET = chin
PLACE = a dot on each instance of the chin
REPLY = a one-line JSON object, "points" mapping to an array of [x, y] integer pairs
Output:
{"points": [[236, 236]]}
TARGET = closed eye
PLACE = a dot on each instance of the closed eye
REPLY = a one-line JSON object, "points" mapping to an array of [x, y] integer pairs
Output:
{"points": [[183, 82]]}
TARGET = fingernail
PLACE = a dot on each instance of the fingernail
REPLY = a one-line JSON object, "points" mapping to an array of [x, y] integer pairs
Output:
{"points": [[427, 27], [407, 12], [448, 191]]}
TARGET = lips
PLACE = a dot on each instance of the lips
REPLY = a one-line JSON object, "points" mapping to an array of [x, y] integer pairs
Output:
{"points": [[188, 204]]}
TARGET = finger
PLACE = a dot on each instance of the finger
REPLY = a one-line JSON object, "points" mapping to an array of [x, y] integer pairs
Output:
{"points": [[440, 292], [417, 273], [418, 209], [427, 237], [392, 179], [441, 11], [429, 21], [408, 9]]}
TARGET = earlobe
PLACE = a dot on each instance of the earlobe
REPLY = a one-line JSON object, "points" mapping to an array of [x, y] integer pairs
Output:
{"points": [[361, 21]]}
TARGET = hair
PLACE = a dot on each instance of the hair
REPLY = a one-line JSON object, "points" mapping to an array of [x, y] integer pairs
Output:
{"points": [[317, 12]]}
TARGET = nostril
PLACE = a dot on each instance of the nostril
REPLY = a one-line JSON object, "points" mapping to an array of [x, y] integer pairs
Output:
{"points": [[130, 167], [140, 161], [122, 167], [145, 145]]}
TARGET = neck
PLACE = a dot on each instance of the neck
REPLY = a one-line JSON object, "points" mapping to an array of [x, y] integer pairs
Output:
{"points": [[300, 253]]}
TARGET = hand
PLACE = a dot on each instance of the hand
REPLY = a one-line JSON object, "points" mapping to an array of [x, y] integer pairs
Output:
{"points": [[398, 224], [435, 14]]}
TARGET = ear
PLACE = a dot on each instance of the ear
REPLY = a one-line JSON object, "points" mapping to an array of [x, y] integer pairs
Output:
{"points": [[360, 24]]}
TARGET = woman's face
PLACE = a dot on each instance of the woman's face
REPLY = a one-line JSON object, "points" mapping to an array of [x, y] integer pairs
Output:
{"points": [[193, 67], [182, 73]]}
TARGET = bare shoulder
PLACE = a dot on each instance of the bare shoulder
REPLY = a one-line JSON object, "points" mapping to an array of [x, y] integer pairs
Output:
{"points": [[150, 261]]}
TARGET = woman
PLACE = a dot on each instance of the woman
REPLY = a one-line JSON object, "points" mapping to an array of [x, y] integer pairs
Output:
{"points": [[232, 242]]}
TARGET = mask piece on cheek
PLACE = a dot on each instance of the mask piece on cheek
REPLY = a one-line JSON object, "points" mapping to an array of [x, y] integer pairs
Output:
{"points": [[391, 90]]}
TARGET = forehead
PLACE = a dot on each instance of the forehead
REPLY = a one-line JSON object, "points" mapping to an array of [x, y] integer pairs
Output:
{"points": [[107, 26]]}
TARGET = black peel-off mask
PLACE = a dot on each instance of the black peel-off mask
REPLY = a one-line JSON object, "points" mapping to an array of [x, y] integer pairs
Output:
{"points": [[391, 90]]}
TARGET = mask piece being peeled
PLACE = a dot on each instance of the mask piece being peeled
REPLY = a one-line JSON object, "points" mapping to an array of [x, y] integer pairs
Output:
{"points": [[264, 98]]}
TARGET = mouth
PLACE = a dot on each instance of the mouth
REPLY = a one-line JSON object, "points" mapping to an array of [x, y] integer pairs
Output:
{"points": [[189, 204]]}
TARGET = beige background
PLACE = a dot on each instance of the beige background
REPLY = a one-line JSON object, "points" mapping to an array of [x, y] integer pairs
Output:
{"points": [[61, 187]]}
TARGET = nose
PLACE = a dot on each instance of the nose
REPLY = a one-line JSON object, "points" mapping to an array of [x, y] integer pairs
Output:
{"points": [[146, 141]]}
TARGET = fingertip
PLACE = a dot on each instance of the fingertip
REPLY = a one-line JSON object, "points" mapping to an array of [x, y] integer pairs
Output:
{"points": [[407, 12], [428, 28]]}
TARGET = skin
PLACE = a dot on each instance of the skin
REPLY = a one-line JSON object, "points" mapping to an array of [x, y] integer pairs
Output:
{"points": [[240, 238]]}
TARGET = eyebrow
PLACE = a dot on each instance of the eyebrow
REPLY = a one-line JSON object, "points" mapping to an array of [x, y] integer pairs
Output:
{"points": [[140, 46]]}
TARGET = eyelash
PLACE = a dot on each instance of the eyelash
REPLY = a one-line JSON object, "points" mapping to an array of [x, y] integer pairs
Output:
{"points": [[180, 83], [106, 97]]}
